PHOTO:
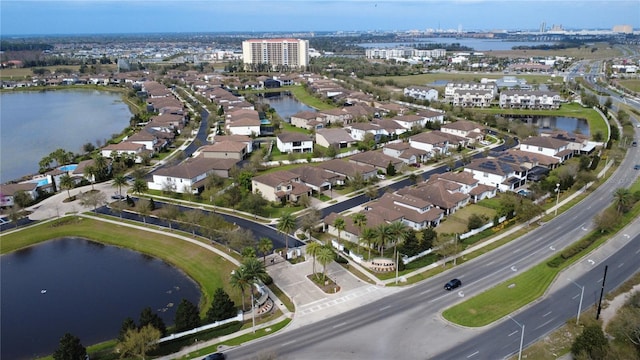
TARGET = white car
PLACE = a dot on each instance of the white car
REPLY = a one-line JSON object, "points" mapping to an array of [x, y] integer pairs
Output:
{"points": [[381, 177]]}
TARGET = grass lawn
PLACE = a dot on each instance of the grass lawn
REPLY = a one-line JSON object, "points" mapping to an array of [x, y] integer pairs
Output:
{"points": [[423, 79], [206, 268], [631, 84], [503, 299], [303, 96], [457, 223]]}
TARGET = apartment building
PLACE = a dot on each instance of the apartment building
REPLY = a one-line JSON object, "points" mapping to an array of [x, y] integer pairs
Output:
{"points": [[293, 53]]}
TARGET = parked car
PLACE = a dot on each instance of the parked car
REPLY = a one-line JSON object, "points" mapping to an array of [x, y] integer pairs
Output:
{"points": [[381, 177], [117, 196], [215, 356], [452, 284], [636, 167]]}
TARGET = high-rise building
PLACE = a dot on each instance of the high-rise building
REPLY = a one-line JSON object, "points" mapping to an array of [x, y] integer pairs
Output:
{"points": [[293, 53], [625, 29]]}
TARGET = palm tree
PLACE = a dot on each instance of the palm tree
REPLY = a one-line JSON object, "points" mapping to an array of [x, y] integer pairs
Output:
{"points": [[139, 186], [368, 237], [119, 181], [339, 224], [359, 220], [623, 199], [264, 246], [286, 223], [92, 173], [254, 269], [66, 183], [383, 236], [312, 249], [101, 166], [240, 280], [324, 256], [399, 232]]}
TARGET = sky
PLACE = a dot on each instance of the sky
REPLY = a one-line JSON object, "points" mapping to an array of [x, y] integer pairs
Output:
{"points": [[51, 17]]}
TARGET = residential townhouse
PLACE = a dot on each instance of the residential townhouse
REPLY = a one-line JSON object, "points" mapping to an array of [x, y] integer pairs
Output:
{"points": [[292, 142], [318, 179], [335, 137], [378, 160], [348, 169], [549, 146], [225, 150], [124, 149], [309, 120], [416, 213], [444, 195], [472, 98], [242, 122], [190, 176], [496, 173], [579, 143], [421, 93], [246, 140], [336, 116], [452, 88], [468, 185], [529, 99], [465, 129], [280, 186], [8, 192], [436, 142], [406, 153]]}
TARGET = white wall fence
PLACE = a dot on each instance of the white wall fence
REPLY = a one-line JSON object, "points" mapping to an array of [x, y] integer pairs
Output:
{"points": [[238, 317], [482, 228]]}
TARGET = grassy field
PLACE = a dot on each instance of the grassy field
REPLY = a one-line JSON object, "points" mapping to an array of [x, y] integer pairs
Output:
{"points": [[631, 84], [303, 96], [206, 268], [595, 51], [23, 73], [457, 223], [424, 79]]}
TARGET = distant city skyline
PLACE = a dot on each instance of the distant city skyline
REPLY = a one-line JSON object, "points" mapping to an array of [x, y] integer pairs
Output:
{"points": [[30, 17]]}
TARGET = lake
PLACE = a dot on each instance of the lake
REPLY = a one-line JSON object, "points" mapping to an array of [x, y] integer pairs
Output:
{"points": [[476, 44], [284, 104], [549, 123], [90, 289], [36, 123]]}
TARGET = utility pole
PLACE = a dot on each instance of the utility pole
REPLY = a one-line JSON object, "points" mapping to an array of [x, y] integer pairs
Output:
{"points": [[602, 292]]}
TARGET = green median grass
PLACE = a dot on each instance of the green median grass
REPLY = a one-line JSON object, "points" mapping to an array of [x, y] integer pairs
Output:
{"points": [[503, 299]]}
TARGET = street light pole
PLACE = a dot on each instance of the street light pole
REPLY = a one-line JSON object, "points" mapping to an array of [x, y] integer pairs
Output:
{"points": [[579, 305], [253, 312], [557, 198], [521, 337], [397, 257]]}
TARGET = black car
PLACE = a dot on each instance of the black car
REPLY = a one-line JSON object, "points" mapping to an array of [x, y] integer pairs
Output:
{"points": [[215, 356], [452, 284]]}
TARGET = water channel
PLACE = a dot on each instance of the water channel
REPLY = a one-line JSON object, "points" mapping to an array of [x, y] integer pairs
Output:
{"points": [[84, 288]]}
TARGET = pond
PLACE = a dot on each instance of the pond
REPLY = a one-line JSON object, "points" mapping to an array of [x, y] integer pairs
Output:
{"points": [[84, 288], [550, 123], [284, 104]]}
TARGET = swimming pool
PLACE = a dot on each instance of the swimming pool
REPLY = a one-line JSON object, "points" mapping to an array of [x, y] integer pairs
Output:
{"points": [[68, 168], [265, 121]]}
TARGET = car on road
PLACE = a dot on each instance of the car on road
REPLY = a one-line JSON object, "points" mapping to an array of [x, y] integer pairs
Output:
{"points": [[117, 196], [636, 167], [452, 284], [634, 143], [215, 356]]}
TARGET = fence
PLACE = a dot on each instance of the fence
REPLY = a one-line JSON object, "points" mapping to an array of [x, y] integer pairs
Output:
{"points": [[238, 317]]}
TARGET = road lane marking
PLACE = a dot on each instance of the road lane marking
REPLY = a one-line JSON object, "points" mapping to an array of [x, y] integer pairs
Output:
{"points": [[513, 333], [339, 325], [384, 308], [545, 315], [474, 354], [619, 266], [544, 324]]}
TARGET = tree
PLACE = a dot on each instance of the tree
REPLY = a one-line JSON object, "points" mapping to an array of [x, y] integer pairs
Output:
{"points": [[240, 280], [591, 342], [142, 207], [248, 252], [391, 170], [359, 220], [444, 246], [93, 199], [187, 316], [147, 317], [606, 220], [193, 218], [66, 183], [222, 307], [21, 199], [255, 270], [138, 342], [265, 245], [70, 348], [119, 181], [139, 186], [127, 324], [170, 213], [368, 237], [309, 220], [625, 326], [339, 224], [371, 192], [331, 152], [383, 236], [623, 199], [91, 173], [286, 223], [399, 232], [312, 249], [475, 221], [325, 256]]}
